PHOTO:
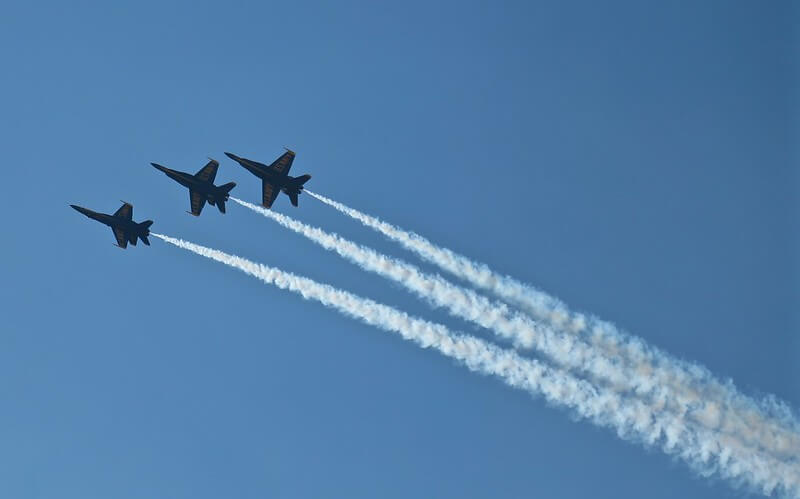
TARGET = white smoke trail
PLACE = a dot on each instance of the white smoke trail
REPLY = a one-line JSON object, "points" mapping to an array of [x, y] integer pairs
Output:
{"points": [[782, 427], [631, 419], [570, 352]]}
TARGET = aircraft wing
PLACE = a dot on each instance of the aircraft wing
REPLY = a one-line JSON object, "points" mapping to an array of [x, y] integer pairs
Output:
{"points": [[197, 201], [209, 172], [125, 211], [122, 241], [268, 193], [283, 164]]}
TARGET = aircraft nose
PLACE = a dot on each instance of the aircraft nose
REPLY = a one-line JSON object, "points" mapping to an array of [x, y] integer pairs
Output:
{"points": [[80, 209], [231, 155]]}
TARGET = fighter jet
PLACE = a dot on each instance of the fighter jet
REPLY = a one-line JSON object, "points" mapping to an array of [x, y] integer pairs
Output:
{"points": [[275, 177], [122, 224], [201, 186]]}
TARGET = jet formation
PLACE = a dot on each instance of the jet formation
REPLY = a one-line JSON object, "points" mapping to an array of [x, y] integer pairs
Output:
{"points": [[274, 179]]}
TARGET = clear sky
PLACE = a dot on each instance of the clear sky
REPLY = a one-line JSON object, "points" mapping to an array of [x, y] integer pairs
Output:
{"points": [[636, 159]]}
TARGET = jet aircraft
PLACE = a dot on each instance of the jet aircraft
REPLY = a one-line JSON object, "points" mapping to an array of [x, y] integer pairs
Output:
{"points": [[275, 177], [122, 224], [201, 186]]}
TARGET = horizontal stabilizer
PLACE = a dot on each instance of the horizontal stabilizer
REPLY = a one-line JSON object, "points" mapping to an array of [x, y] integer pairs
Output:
{"points": [[293, 198], [221, 206], [145, 240], [227, 187]]}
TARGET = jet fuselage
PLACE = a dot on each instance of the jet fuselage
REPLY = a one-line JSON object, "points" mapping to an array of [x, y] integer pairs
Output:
{"points": [[109, 220]]}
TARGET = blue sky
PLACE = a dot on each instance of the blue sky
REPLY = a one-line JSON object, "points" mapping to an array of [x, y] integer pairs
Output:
{"points": [[636, 159]]}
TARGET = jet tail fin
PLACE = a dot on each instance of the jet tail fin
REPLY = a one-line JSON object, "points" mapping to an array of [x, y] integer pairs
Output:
{"points": [[144, 226]]}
